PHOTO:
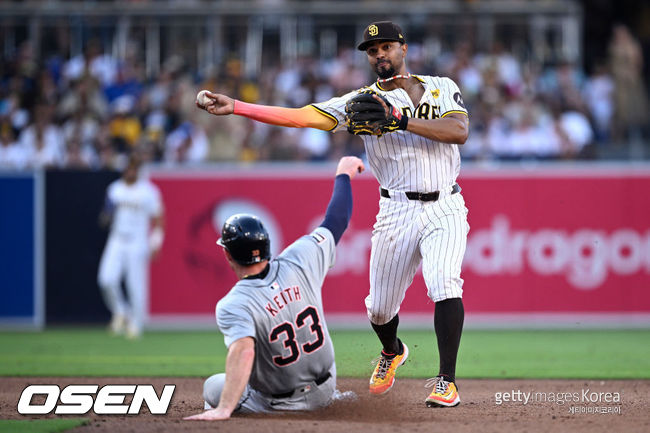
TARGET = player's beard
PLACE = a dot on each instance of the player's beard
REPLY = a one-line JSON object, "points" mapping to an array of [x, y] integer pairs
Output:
{"points": [[386, 70]]}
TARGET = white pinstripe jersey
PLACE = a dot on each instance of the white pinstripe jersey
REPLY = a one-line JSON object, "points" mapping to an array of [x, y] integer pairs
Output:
{"points": [[135, 205], [401, 160]]}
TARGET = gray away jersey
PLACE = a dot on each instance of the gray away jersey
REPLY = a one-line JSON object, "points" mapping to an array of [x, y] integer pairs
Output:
{"points": [[284, 313], [401, 160]]}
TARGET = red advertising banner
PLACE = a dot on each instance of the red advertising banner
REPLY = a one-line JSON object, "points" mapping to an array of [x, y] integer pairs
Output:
{"points": [[552, 241]]}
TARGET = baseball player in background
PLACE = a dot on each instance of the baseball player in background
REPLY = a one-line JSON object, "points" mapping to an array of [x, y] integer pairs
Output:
{"points": [[411, 126], [280, 355], [134, 210]]}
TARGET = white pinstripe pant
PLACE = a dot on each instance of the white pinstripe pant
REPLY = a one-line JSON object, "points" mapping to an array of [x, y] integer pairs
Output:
{"points": [[410, 231]]}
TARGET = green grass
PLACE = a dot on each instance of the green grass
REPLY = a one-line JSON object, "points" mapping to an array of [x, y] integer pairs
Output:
{"points": [[512, 354], [40, 425], [612, 354], [93, 352]]}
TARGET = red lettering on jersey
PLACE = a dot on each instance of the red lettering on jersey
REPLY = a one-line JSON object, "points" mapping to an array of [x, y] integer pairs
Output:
{"points": [[271, 310], [286, 296]]}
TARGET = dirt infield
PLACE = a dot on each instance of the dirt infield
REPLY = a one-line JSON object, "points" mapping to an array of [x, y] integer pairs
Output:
{"points": [[402, 410]]}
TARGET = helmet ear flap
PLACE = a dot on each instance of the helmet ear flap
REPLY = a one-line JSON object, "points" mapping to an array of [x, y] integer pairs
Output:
{"points": [[246, 239]]}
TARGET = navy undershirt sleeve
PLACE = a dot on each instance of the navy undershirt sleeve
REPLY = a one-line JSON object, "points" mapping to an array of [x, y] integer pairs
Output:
{"points": [[339, 210]]}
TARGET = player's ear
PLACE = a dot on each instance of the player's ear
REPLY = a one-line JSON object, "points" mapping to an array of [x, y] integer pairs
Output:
{"points": [[405, 49]]}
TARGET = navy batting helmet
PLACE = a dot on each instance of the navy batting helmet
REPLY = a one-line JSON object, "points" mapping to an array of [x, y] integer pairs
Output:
{"points": [[246, 239]]}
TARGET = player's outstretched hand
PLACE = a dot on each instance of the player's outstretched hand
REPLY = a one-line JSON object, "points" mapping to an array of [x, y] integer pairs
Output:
{"points": [[350, 165], [215, 103], [217, 414]]}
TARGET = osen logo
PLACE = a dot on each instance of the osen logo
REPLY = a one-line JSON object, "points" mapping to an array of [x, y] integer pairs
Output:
{"points": [[80, 399]]}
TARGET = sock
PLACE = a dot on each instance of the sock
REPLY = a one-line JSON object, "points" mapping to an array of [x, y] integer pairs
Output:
{"points": [[448, 322], [387, 334]]}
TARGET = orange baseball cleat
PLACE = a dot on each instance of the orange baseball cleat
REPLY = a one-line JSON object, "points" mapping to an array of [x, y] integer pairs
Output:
{"points": [[444, 394], [383, 377]]}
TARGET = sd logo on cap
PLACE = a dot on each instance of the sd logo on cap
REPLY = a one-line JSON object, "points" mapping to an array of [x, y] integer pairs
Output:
{"points": [[381, 31]]}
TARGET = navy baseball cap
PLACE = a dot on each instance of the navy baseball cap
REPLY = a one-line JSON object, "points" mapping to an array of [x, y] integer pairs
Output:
{"points": [[381, 31]]}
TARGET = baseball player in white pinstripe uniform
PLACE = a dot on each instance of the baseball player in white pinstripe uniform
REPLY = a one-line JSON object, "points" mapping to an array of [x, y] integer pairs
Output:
{"points": [[134, 207], [411, 126]]}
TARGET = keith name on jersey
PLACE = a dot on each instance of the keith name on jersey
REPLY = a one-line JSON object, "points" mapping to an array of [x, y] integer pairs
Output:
{"points": [[286, 296]]}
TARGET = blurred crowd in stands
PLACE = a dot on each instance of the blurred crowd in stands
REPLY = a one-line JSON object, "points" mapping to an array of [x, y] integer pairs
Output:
{"points": [[90, 111]]}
